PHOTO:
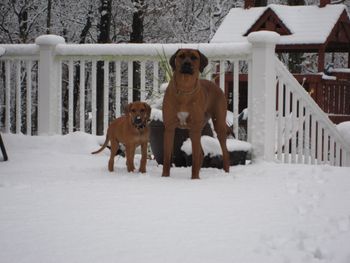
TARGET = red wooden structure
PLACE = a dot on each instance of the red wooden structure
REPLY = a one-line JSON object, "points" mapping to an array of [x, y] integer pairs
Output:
{"points": [[332, 94]]}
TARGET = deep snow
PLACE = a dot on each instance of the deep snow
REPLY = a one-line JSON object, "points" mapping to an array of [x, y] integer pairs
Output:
{"points": [[58, 203]]}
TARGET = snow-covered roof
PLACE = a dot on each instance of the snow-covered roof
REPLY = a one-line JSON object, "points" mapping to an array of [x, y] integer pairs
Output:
{"points": [[308, 24]]}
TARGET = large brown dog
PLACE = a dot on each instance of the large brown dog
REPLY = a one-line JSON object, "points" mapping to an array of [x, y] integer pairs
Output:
{"points": [[188, 103], [131, 130]]}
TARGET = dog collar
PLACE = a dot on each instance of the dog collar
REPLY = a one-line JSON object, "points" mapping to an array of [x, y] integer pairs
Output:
{"points": [[181, 92], [141, 126]]}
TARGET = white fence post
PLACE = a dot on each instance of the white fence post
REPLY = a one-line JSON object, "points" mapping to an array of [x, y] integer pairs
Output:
{"points": [[48, 84], [262, 93]]}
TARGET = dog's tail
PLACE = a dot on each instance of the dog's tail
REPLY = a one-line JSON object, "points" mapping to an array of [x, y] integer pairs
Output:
{"points": [[103, 146]]}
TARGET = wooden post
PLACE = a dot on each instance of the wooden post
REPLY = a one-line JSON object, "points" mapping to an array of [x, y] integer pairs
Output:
{"points": [[321, 55]]}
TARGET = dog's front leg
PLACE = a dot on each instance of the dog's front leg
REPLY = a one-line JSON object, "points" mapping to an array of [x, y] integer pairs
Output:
{"points": [[130, 153], [169, 134], [143, 157], [197, 153]]}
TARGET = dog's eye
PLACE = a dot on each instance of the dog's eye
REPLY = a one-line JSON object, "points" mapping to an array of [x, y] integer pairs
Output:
{"points": [[142, 110], [182, 56], [193, 58], [133, 110]]}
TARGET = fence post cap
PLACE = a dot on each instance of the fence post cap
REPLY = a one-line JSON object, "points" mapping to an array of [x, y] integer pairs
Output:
{"points": [[49, 40], [268, 37]]}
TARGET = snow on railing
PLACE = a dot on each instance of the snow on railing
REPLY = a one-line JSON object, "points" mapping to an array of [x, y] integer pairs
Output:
{"points": [[304, 132], [57, 69]]}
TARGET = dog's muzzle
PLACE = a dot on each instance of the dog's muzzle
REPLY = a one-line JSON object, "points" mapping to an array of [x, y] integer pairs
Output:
{"points": [[138, 123], [186, 68]]}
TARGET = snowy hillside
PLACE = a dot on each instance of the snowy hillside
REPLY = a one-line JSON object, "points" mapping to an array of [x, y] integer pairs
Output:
{"points": [[58, 203]]}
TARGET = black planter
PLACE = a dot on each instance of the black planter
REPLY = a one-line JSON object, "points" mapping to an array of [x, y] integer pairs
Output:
{"points": [[236, 158], [181, 135], [180, 158]]}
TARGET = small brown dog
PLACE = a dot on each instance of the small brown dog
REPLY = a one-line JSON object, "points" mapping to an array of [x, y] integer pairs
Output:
{"points": [[188, 103], [131, 130]]}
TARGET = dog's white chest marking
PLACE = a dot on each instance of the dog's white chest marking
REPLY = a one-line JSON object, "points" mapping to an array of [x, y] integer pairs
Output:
{"points": [[182, 116]]}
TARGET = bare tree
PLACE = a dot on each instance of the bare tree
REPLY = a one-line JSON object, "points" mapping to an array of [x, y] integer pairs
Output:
{"points": [[48, 17], [103, 37]]}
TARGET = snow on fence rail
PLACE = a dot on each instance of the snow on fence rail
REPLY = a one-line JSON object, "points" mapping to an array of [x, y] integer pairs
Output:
{"points": [[304, 132], [50, 88], [61, 72]]}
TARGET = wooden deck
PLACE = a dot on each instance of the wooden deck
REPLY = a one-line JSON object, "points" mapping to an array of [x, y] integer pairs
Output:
{"points": [[332, 94]]}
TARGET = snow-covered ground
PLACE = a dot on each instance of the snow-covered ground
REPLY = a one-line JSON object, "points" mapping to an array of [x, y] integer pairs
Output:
{"points": [[58, 203]]}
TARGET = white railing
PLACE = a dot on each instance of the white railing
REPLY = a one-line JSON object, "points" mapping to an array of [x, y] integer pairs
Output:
{"points": [[61, 66], [35, 104], [304, 132], [18, 68]]}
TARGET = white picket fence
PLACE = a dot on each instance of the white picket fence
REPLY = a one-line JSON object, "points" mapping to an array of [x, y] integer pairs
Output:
{"points": [[46, 61]]}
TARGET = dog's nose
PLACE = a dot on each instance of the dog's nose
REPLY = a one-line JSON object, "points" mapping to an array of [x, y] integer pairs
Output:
{"points": [[187, 68], [187, 65], [137, 120]]}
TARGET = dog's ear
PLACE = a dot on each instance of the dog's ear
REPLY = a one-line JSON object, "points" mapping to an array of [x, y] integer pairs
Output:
{"points": [[127, 108], [148, 109], [203, 61], [172, 60]]}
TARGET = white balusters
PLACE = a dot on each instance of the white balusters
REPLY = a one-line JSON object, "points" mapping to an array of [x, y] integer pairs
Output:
{"points": [[325, 146], [287, 125], [117, 88], [307, 137], [105, 94], [301, 132], [294, 129], [319, 143], [143, 81], [313, 140], [222, 75], [82, 96], [8, 96], [155, 77], [70, 95], [29, 65], [235, 97], [130, 81], [18, 97], [279, 143], [93, 97], [59, 97]]}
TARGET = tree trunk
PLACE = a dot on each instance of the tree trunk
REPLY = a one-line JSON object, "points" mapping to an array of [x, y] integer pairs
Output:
{"points": [[103, 37], [77, 79], [23, 24], [48, 17], [136, 36]]}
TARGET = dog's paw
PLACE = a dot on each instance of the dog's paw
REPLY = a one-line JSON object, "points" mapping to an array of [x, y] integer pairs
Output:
{"points": [[131, 169], [142, 170], [111, 167]]}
